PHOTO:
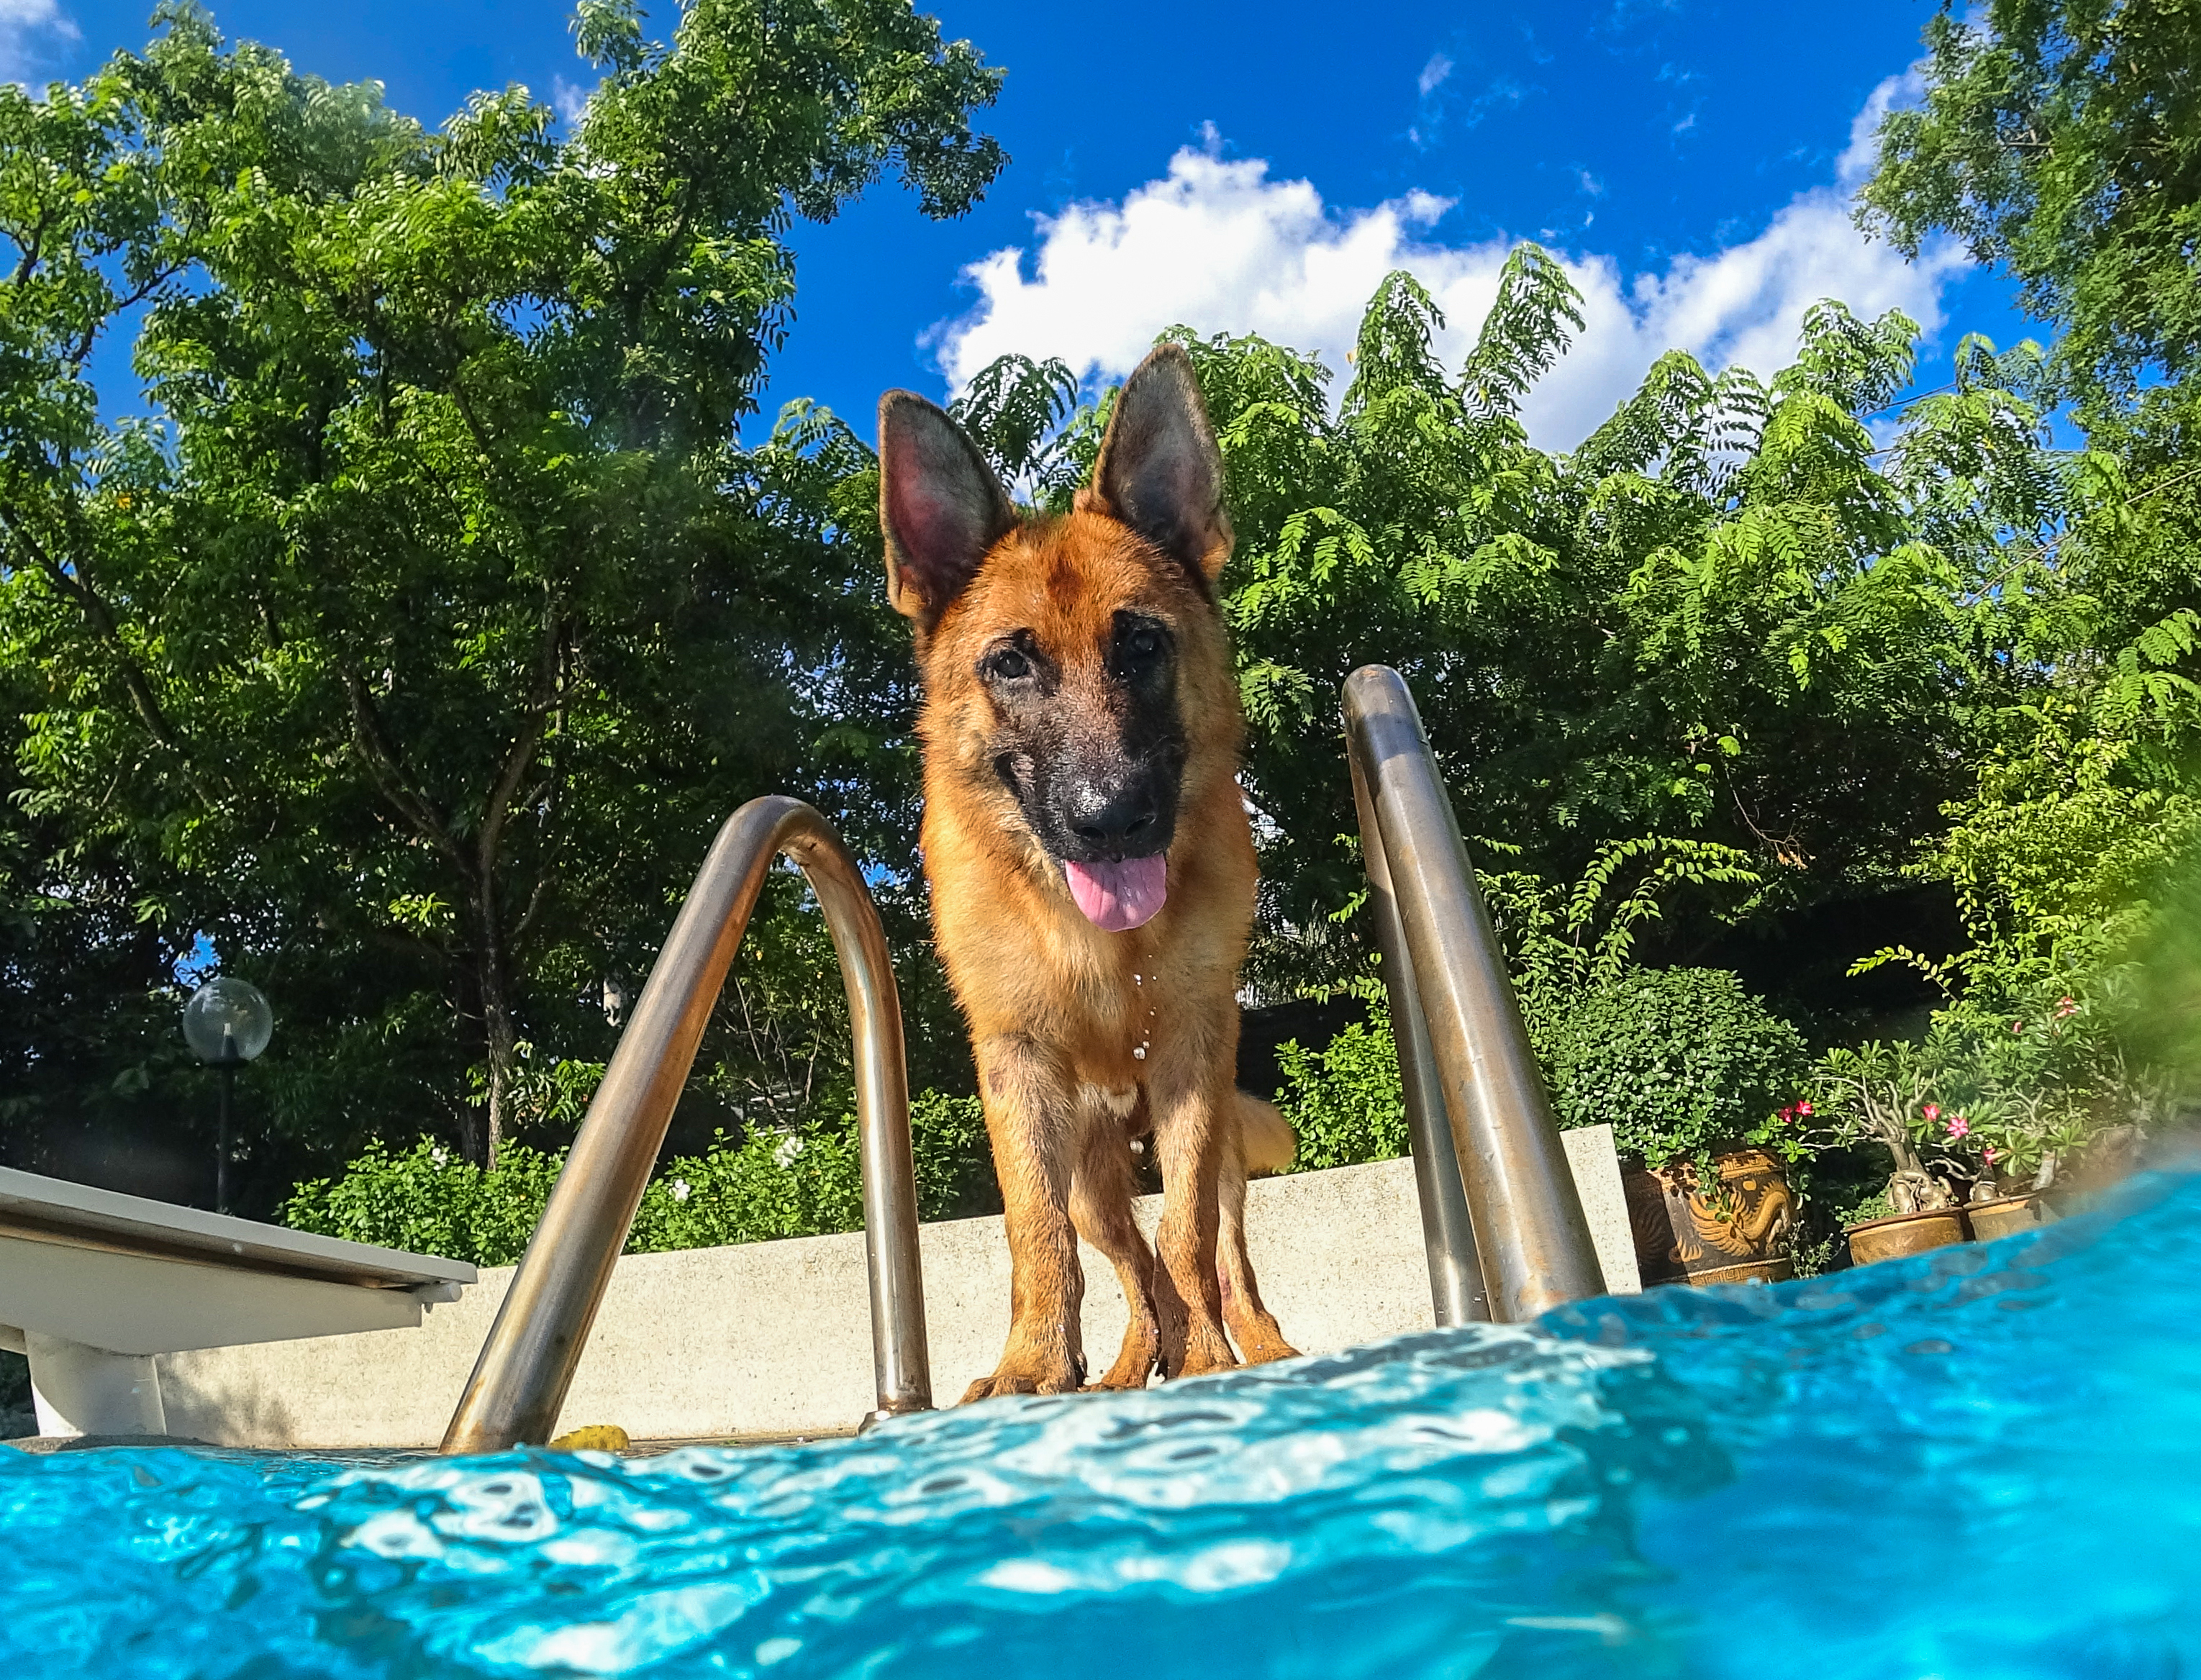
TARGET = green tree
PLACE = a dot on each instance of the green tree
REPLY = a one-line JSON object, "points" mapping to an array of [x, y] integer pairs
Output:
{"points": [[2061, 139], [1730, 616], [419, 640]]}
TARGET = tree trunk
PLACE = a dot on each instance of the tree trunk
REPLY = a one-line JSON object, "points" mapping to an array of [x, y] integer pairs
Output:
{"points": [[500, 1035]]}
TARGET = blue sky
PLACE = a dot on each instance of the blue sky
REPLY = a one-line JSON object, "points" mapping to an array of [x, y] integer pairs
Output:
{"points": [[1258, 165]]}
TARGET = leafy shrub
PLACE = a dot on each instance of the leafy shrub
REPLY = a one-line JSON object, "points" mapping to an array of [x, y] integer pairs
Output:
{"points": [[1679, 1060], [431, 1201], [1344, 1103], [802, 1184]]}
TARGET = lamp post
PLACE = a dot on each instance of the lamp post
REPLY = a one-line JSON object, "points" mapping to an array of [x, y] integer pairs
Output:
{"points": [[227, 1023]]}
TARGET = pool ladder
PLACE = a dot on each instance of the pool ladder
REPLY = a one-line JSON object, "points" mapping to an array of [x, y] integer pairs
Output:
{"points": [[520, 1381], [1505, 1239]]}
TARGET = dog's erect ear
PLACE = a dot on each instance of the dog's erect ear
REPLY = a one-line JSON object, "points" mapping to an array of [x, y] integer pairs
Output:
{"points": [[941, 507], [1160, 472]]}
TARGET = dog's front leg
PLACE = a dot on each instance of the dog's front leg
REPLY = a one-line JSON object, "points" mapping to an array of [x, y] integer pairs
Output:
{"points": [[1252, 1324], [1032, 1119], [1188, 1139], [1100, 1207]]}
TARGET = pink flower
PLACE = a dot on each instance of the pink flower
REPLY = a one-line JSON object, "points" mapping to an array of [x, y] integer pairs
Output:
{"points": [[1958, 1126], [2017, 1026], [1803, 1107], [1992, 1152], [2065, 1008], [1933, 1113]]}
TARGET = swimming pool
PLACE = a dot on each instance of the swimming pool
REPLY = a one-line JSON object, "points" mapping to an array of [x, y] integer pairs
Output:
{"points": [[1984, 1462]]}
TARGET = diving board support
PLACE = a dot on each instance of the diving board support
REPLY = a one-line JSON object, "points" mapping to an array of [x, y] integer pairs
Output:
{"points": [[80, 1390]]}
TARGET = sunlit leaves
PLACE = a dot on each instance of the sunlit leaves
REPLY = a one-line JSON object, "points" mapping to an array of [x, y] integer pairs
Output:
{"points": [[2062, 138], [440, 618]]}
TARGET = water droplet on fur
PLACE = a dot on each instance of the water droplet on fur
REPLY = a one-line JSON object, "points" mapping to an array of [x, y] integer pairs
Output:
{"points": [[1139, 1054]]}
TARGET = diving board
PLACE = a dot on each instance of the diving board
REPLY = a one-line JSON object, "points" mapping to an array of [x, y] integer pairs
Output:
{"points": [[93, 1283]]}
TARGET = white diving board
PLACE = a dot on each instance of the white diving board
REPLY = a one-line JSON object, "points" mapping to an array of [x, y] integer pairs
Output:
{"points": [[93, 1283]]}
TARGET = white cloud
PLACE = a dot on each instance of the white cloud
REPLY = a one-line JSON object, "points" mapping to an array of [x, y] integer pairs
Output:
{"points": [[569, 101], [29, 30], [1217, 245], [1862, 155], [1433, 75]]}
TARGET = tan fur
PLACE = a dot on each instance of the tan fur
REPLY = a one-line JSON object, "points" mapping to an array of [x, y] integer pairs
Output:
{"points": [[1270, 1146], [1060, 1009]]}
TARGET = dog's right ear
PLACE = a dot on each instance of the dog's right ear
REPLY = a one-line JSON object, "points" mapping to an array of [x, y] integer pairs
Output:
{"points": [[941, 507]]}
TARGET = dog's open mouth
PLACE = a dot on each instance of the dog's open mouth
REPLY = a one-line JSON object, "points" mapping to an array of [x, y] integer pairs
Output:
{"points": [[1121, 896]]}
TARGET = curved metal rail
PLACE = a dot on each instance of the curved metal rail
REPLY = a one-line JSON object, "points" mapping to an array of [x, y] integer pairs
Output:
{"points": [[520, 1381], [1500, 1216]]}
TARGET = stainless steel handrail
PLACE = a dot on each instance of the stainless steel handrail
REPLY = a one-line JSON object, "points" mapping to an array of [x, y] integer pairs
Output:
{"points": [[520, 1381], [1456, 1286], [1500, 1214]]}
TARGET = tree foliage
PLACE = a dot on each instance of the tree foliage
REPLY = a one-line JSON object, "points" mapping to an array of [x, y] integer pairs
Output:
{"points": [[412, 636], [1735, 616], [413, 642], [2061, 139]]}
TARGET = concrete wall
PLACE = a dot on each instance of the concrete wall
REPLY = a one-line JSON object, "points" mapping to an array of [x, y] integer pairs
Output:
{"points": [[774, 1338]]}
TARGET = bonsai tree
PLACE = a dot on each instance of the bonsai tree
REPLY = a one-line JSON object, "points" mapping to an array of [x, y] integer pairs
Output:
{"points": [[1984, 1104]]}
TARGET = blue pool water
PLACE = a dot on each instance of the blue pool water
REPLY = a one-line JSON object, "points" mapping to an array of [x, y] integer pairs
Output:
{"points": [[1982, 1464]]}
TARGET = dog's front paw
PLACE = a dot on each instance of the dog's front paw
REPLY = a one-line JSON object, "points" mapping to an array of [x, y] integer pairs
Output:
{"points": [[1207, 1362], [1202, 1352], [1137, 1361], [1028, 1374], [1262, 1345]]}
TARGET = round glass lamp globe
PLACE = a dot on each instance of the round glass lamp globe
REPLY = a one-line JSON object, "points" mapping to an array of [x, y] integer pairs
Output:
{"points": [[228, 1021]]}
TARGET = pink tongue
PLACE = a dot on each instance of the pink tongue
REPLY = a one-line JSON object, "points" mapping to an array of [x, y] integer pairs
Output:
{"points": [[1119, 897]]}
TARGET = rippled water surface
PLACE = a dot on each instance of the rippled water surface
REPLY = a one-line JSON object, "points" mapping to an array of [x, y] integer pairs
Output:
{"points": [[1984, 1462]]}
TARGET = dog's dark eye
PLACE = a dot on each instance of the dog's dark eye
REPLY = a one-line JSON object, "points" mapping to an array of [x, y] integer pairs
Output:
{"points": [[1142, 643], [1008, 666]]}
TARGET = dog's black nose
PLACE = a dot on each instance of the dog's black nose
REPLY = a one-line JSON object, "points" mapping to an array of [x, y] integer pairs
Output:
{"points": [[1122, 819]]}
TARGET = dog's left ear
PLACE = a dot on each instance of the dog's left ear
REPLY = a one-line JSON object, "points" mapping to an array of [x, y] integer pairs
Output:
{"points": [[1158, 470], [941, 507]]}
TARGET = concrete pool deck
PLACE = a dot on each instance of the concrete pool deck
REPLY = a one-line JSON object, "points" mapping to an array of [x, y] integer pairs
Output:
{"points": [[774, 1338]]}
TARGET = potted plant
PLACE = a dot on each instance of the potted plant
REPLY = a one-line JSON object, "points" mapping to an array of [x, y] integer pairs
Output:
{"points": [[1885, 1094], [1978, 1117], [1692, 1071], [2042, 1088]]}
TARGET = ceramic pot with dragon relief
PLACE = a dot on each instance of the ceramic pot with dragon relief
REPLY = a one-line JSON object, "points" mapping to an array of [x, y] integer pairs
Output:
{"points": [[1734, 1231]]}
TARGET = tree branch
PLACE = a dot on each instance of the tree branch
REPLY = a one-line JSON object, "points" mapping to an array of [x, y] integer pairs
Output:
{"points": [[524, 746], [373, 745], [79, 587]]}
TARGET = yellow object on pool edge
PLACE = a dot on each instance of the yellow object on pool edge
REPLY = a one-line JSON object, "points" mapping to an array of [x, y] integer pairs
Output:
{"points": [[592, 1438]]}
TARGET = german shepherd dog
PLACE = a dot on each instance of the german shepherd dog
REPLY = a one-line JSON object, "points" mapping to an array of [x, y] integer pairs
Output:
{"points": [[1091, 866]]}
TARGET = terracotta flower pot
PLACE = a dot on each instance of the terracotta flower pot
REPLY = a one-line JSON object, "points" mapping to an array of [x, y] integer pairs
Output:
{"points": [[1901, 1234], [1738, 1234], [2002, 1216]]}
